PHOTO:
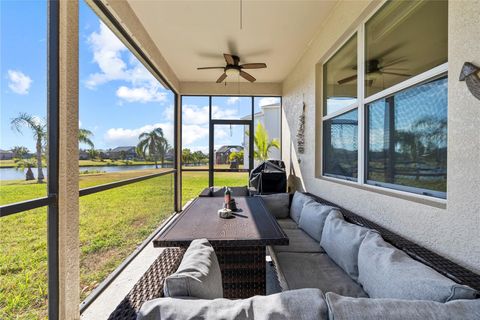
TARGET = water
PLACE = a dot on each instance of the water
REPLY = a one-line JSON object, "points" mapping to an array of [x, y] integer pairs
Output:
{"points": [[14, 174]]}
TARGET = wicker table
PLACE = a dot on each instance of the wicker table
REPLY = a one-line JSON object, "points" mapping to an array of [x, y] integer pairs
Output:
{"points": [[240, 243]]}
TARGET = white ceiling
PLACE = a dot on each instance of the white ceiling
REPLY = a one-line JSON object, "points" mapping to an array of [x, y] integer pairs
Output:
{"points": [[192, 34]]}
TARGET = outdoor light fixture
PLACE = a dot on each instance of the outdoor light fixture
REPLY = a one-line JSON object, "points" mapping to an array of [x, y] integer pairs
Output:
{"points": [[232, 72]]}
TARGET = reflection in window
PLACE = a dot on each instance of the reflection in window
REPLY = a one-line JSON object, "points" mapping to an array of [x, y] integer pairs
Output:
{"points": [[340, 139], [340, 78], [407, 138], [404, 39]]}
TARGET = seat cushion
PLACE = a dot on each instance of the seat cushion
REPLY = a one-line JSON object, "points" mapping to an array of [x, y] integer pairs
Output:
{"points": [[277, 204], [298, 201], [347, 308], [287, 223], [314, 270], [341, 241], [299, 241], [313, 218], [306, 304], [198, 275], [386, 272]]}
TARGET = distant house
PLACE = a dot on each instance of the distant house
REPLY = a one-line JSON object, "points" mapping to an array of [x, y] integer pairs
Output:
{"points": [[223, 153], [83, 155], [6, 155], [124, 153]]}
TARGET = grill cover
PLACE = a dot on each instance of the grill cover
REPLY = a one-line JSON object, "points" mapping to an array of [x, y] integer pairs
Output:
{"points": [[269, 177]]}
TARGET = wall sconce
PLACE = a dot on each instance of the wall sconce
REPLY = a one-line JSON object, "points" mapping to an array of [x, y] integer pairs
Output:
{"points": [[469, 74]]}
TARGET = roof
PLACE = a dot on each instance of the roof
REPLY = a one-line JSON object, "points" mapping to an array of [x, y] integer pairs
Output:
{"points": [[223, 149], [120, 149]]}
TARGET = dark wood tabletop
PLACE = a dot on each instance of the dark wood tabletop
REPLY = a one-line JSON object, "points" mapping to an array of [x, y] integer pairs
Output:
{"points": [[252, 225]]}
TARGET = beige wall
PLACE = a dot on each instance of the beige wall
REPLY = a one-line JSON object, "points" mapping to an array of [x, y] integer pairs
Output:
{"points": [[451, 229], [243, 88]]}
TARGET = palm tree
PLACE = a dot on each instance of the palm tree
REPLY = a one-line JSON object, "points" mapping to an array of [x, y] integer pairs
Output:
{"points": [[39, 129], [20, 151], [153, 143], [263, 144], [84, 137]]}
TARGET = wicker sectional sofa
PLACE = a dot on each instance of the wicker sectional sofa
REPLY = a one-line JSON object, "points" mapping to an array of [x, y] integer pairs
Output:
{"points": [[337, 266]]}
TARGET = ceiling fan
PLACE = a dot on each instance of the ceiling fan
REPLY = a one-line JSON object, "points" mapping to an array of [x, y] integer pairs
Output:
{"points": [[373, 67], [234, 68]]}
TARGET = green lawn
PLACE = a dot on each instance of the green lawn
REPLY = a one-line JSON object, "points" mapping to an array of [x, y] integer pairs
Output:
{"points": [[112, 224]]}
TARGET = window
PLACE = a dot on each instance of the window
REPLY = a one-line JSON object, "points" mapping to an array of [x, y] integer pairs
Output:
{"points": [[340, 138], [340, 78], [407, 139], [385, 109]]}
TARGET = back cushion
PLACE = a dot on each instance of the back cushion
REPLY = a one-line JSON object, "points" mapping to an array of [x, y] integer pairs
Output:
{"points": [[341, 241], [277, 204], [198, 275], [298, 201], [386, 272], [346, 308], [313, 218], [302, 304]]}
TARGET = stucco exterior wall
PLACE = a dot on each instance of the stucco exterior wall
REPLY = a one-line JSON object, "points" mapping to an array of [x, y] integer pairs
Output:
{"points": [[451, 229]]}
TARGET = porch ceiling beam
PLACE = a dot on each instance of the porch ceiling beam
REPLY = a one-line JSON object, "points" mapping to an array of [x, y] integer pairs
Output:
{"points": [[232, 88]]}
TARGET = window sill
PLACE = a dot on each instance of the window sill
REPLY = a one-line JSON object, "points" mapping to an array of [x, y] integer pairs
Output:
{"points": [[425, 200]]}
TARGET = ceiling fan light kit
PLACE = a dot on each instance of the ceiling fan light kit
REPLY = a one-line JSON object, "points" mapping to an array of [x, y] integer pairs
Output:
{"points": [[234, 68]]}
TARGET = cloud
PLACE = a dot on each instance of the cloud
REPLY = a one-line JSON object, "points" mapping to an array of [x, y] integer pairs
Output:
{"points": [[19, 82], [117, 63], [232, 100], [115, 137], [192, 133], [192, 114], [268, 101], [222, 113], [141, 94]]}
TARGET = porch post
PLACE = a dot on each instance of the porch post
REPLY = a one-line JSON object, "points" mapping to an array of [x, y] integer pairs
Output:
{"points": [[178, 153], [68, 208]]}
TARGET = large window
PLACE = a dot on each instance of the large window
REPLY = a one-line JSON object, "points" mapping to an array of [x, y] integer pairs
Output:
{"points": [[385, 101]]}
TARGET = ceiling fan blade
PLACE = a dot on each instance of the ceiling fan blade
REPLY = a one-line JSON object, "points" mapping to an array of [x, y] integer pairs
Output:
{"points": [[253, 66], [205, 68], [396, 74], [222, 77], [229, 58], [247, 76], [369, 83], [391, 63], [347, 79]]}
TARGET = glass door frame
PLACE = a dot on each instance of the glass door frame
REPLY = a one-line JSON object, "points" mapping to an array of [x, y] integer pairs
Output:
{"points": [[211, 161]]}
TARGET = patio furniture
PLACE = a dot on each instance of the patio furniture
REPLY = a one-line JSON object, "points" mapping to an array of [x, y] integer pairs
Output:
{"points": [[307, 249], [240, 243], [269, 177]]}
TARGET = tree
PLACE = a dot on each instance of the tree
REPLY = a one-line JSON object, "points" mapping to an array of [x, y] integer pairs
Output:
{"points": [[153, 143], [92, 153], [84, 137], [186, 156], [39, 130], [20, 152], [237, 156], [263, 144]]}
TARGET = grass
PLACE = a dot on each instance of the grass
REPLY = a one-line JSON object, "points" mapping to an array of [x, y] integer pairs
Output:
{"points": [[112, 224]]}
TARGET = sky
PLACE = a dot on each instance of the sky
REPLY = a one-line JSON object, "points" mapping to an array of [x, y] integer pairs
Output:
{"points": [[118, 98]]}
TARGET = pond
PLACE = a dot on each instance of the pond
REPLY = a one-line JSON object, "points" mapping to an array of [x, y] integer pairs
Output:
{"points": [[14, 174]]}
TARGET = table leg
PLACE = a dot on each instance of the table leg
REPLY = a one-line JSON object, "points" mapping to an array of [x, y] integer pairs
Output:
{"points": [[243, 271]]}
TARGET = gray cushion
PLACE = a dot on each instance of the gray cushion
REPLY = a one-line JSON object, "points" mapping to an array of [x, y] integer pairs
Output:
{"points": [[298, 201], [386, 272], [277, 204], [315, 270], [299, 241], [306, 304], [287, 223], [313, 218], [346, 308], [341, 241], [198, 274]]}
